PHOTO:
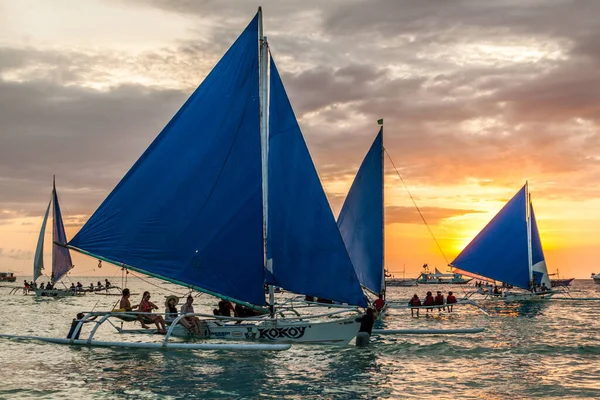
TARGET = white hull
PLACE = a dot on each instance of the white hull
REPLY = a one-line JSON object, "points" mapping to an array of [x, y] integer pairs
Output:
{"points": [[596, 278], [510, 297], [58, 293], [338, 331]]}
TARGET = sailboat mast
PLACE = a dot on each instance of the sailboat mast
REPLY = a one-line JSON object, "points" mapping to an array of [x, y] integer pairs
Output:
{"points": [[382, 213], [53, 226], [528, 217], [263, 91]]}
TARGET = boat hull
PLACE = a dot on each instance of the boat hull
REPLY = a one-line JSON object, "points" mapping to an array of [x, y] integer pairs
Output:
{"points": [[561, 282], [58, 293], [336, 331], [401, 282]]}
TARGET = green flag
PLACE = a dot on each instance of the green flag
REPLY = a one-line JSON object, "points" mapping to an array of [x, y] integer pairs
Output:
{"points": [[380, 121]]}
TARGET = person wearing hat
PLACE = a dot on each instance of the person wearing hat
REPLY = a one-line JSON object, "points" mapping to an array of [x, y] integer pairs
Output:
{"points": [[171, 312]]}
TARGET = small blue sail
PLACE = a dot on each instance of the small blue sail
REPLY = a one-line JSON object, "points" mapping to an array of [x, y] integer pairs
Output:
{"points": [[538, 265], [190, 209], [499, 251], [38, 259], [307, 251], [61, 259], [361, 219]]}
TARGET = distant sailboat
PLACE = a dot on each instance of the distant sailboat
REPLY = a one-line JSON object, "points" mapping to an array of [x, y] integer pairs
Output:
{"points": [[227, 198], [61, 259], [509, 250]]}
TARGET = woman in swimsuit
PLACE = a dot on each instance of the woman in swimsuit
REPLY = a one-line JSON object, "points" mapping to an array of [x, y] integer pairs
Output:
{"points": [[147, 306]]}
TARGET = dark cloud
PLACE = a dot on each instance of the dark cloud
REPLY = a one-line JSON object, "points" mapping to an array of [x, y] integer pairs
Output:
{"points": [[458, 102]]}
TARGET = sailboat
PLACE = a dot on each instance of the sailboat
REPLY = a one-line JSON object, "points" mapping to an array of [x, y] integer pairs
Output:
{"points": [[509, 250], [61, 258], [361, 220], [226, 199]]}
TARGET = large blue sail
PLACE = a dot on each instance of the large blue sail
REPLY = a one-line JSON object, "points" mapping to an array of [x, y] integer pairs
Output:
{"points": [[190, 209], [38, 259], [361, 219], [61, 259], [499, 251], [307, 251]]}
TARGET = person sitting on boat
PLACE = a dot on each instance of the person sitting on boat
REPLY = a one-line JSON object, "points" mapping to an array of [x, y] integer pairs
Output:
{"points": [[125, 305], [544, 288], [309, 298], [414, 302], [99, 286], [379, 303], [225, 308], [171, 313], [366, 327], [73, 288], [25, 287], [107, 283], [439, 300], [429, 301], [194, 321], [42, 286], [79, 286], [450, 300], [49, 286], [496, 290], [147, 306], [75, 335]]}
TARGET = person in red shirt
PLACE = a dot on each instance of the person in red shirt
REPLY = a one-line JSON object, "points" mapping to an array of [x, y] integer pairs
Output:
{"points": [[429, 301], [450, 300], [414, 302], [379, 303], [439, 300]]}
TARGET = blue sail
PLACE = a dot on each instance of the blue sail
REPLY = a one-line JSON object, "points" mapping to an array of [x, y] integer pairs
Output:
{"points": [[190, 209], [61, 259], [499, 251], [38, 259], [361, 219], [304, 244], [538, 265]]}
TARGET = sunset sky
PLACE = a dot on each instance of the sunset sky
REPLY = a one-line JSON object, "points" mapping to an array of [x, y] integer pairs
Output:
{"points": [[477, 96]]}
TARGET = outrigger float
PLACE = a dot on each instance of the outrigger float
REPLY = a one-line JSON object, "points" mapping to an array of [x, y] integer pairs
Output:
{"points": [[164, 345]]}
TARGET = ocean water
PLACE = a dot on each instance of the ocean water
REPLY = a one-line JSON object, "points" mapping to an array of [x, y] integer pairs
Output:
{"points": [[548, 349]]}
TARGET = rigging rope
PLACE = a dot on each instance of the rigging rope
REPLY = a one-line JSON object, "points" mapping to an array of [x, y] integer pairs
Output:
{"points": [[417, 207]]}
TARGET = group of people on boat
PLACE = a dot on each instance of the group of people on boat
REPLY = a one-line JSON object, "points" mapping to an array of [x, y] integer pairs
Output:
{"points": [[429, 301], [145, 307], [99, 286]]}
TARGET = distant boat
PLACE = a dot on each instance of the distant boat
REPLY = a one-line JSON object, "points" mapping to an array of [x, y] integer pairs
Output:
{"points": [[509, 250], [558, 281], [61, 258], [439, 278], [7, 277], [391, 280], [596, 277]]}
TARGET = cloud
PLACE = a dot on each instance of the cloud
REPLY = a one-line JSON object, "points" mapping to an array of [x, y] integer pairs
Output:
{"points": [[433, 215]]}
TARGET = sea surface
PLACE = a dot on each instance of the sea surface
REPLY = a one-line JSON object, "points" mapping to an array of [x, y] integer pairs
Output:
{"points": [[545, 349]]}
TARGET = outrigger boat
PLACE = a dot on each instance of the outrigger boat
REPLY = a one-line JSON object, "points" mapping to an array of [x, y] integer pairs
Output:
{"points": [[61, 258], [227, 199], [509, 250]]}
